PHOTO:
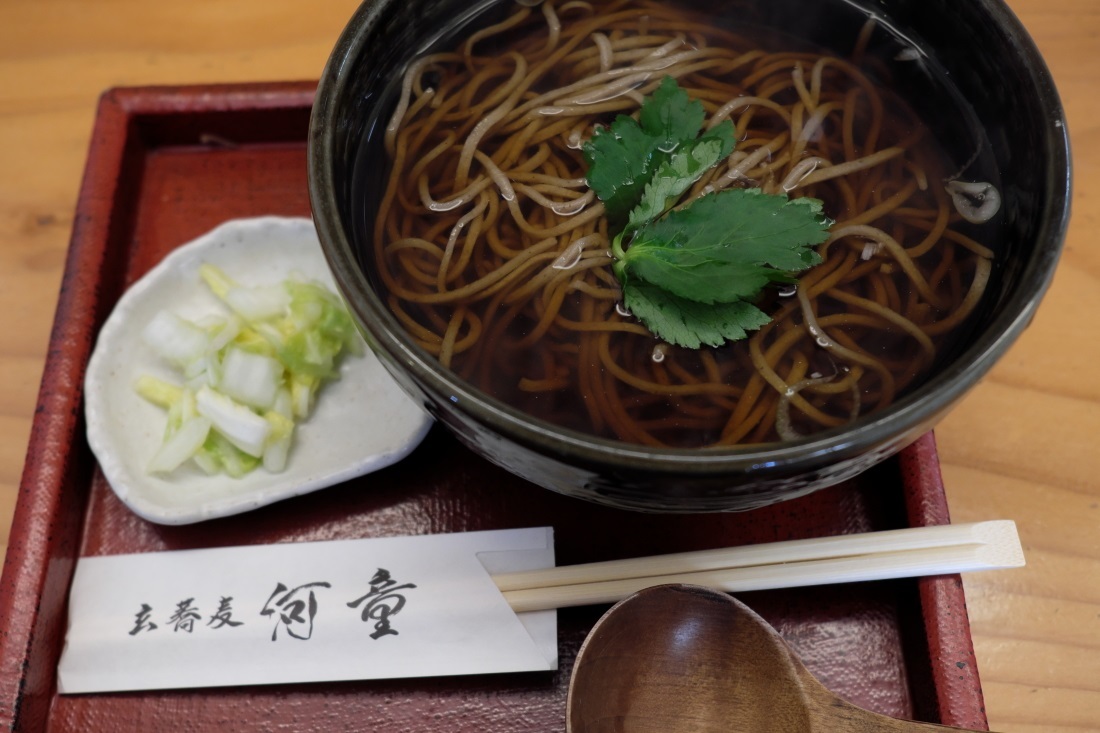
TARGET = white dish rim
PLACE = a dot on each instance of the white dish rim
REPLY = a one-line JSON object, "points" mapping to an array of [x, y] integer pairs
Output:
{"points": [[121, 333]]}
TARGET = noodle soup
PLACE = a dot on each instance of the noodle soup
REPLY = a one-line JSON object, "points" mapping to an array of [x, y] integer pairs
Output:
{"points": [[492, 251]]}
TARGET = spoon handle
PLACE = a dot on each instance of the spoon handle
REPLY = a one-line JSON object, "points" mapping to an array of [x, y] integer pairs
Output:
{"points": [[837, 716]]}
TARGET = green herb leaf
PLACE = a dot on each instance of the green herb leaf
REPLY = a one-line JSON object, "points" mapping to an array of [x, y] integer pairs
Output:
{"points": [[624, 158], [620, 164], [726, 246], [670, 116], [685, 166], [691, 274], [688, 323]]}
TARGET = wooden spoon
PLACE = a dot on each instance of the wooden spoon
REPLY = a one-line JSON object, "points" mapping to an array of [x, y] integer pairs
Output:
{"points": [[677, 658]]}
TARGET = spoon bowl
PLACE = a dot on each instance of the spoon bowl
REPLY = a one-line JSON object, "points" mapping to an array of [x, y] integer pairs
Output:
{"points": [[677, 658]]}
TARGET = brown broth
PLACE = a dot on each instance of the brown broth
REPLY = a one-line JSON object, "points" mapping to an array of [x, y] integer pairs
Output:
{"points": [[570, 374]]}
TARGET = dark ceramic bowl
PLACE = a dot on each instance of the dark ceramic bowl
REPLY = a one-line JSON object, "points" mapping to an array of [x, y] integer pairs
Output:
{"points": [[994, 65]]}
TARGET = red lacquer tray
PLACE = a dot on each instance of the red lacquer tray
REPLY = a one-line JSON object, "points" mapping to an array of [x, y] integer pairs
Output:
{"points": [[167, 164]]}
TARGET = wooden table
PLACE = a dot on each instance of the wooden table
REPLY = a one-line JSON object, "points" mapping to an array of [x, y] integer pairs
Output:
{"points": [[1021, 446]]}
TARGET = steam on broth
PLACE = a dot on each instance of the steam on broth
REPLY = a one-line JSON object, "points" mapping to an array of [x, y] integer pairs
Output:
{"points": [[494, 254]]}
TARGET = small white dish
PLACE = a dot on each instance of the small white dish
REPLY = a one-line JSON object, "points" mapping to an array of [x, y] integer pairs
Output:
{"points": [[361, 422]]}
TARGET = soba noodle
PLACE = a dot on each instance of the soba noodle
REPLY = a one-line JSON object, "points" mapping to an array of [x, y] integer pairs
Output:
{"points": [[494, 255]]}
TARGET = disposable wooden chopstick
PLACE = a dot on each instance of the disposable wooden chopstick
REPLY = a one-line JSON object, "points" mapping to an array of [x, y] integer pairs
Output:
{"points": [[839, 559], [819, 548]]}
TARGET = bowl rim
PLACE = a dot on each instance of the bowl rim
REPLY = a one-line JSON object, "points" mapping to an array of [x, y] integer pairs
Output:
{"points": [[901, 422]]}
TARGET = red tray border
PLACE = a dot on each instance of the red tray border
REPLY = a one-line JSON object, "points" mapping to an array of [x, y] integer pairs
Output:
{"points": [[50, 507]]}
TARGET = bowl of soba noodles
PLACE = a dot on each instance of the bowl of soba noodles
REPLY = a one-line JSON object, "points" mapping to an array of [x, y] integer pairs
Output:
{"points": [[688, 256]]}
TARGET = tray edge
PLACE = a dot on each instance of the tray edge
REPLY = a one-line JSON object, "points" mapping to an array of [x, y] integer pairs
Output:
{"points": [[958, 691], [37, 570]]}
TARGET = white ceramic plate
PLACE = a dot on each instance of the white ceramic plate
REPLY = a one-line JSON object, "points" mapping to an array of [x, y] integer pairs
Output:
{"points": [[361, 422]]}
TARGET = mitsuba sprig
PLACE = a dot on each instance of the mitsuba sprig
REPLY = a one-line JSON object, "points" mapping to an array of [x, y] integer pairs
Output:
{"points": [[691, 273]]}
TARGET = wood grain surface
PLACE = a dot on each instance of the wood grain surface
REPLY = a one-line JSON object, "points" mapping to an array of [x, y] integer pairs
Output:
{"points": [[1023, 445]]}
